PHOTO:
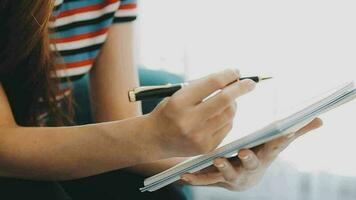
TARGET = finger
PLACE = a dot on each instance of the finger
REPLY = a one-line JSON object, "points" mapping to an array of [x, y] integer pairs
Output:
{"points": [[249, 160], [258, 149], [198, 90], [221, 120], [213, 139], [278, 145], [232, 187], [227, 170], [225, 97], [315, 124], [203, 178], [219, 135], [273, 148]]}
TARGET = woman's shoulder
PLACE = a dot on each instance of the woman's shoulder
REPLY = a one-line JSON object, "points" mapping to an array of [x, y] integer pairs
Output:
{"points": [[73, 11], [84, 5], [80, 27]]}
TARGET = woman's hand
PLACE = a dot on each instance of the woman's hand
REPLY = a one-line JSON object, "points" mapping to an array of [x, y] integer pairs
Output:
{"points": [[186, 125], [247, 169]]}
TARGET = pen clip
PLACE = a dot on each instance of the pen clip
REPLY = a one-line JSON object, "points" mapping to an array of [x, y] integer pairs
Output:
{"points": [[148, 88], [133, 92]]}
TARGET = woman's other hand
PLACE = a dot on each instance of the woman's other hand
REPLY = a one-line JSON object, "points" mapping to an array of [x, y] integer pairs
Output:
{"points": [[247, 169]]}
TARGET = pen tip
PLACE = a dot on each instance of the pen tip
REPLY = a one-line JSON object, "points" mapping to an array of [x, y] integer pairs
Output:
{"points": [[266, 78]]}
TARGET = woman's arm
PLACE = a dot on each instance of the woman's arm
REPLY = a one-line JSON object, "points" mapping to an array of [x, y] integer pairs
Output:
{"points": [[113, 75], [181, 126], [71, 152]]}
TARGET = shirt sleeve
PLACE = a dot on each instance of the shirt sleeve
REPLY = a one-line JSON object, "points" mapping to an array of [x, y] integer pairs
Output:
{"points": [[127, 11]]}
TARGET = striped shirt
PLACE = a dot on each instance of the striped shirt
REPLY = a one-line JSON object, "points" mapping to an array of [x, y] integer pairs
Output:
{"points": [[79, 28]]}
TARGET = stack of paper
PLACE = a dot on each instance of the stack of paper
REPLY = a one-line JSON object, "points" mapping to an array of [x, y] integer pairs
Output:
{"points": [[276, 129]]}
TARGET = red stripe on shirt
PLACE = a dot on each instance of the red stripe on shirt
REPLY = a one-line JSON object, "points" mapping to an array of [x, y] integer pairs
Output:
{"points": [[85, 9], [128, 6], [80, 37], [75, 64]]}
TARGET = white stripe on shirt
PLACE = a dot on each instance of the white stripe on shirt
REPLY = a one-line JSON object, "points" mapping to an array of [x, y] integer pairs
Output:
{"points": [[73, 71], [85, 16], [126, 13], [80, 43], [58, 2]]}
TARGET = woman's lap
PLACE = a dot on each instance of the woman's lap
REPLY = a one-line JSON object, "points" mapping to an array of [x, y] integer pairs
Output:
{"points": [[117, 185], [16, 189]]}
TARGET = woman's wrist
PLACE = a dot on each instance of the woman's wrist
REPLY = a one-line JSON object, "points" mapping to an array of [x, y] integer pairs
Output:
{"points": [[142, 137], [149, 134]]}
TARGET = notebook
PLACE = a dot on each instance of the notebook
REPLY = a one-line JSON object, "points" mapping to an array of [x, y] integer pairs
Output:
{"points": [[289, 124]]}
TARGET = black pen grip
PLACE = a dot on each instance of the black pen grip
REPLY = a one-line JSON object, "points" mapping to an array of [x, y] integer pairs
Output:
{"points": [[157, 93], [254, 78]]}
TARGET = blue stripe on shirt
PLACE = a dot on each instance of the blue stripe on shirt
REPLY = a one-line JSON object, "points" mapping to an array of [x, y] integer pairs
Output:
{"points": [[78, 57], [76, 4], [82, 30], [124, 2]]}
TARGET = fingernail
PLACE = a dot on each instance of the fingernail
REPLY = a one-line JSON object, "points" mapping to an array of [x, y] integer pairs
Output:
{"points": [[246, 157], [221, 165], [290, 136], [185, 179]]}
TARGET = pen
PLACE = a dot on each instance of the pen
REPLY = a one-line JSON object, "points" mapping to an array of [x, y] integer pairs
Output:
{"points": [[162, 91]]}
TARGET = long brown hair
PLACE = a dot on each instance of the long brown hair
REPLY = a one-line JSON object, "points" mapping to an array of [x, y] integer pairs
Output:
{"points": [[26, 61]]}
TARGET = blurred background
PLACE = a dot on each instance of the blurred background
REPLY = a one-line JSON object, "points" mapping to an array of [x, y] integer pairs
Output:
{"points": [[309, 46]]}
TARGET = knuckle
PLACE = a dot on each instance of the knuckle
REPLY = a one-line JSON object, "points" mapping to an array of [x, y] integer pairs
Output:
{"points": [[173, 105], [225, 117], [181, 126], [218, 81], [231, 111], [232, 74], [255, 166], [232, 178], [227, 128], [225, 97]]}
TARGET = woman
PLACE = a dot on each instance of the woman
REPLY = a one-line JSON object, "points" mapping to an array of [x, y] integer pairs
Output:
{"points": [[44, 46]]}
